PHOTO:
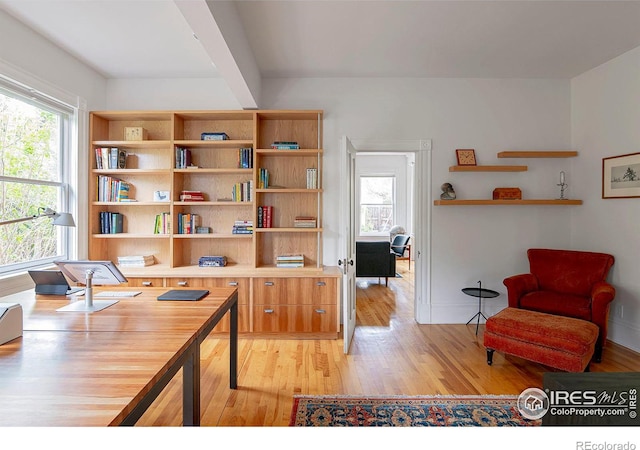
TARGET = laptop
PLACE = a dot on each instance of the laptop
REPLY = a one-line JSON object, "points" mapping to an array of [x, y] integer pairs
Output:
{"points": [[52, 282], [184, 294]]}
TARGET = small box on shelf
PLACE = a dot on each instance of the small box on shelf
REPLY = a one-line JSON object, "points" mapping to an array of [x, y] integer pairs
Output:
{"points": [[507, 193], [135, 134]]}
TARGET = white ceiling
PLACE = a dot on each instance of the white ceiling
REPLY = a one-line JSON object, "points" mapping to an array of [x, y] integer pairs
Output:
{"points": [[244, 41]]}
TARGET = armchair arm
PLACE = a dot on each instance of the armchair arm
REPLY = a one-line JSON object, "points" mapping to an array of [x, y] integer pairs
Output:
{"points": [[518, 285], [602, 294]]}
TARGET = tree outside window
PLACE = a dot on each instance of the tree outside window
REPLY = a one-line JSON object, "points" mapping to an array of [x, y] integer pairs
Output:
{"points": [[377, 198], [32, 137]]}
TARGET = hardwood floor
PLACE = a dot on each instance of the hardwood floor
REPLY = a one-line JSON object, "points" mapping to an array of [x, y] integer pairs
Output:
{"points": [[390, 354]]}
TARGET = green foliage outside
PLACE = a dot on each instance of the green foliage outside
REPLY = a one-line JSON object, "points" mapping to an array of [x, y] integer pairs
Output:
{"points": [[29, 149]]}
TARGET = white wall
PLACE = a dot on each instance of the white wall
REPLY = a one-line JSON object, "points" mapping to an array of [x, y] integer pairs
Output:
{"points": [[605, 122]]}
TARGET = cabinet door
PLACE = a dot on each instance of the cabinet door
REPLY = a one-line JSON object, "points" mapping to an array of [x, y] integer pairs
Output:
{"points": [[294, 319]]}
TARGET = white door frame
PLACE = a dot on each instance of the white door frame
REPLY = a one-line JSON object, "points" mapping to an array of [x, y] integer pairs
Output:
{"points": [[421, 245]]}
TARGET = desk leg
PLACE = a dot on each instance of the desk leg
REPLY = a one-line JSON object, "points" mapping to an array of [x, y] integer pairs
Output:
{"points": [[191, 387], [233, 347]]}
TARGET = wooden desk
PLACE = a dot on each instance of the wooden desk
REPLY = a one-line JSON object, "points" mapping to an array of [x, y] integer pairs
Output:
{"points": [[107, 367]]}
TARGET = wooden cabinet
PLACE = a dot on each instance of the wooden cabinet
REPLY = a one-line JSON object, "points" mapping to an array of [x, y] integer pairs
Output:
{"points": [[166, 172], [295, 305]]}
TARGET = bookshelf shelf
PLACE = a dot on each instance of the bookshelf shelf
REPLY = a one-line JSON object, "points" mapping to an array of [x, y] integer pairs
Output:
{"points": [[506, 202], [201, 170], [488, 169], [538, 154]]}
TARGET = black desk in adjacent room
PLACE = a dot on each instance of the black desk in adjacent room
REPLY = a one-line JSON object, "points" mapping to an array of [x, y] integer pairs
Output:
{"points": [[480, 293]]}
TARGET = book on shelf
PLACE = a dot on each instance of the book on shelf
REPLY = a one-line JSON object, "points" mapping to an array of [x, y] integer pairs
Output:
{"points": [[242, 192], [136, 260], [110, 158], [263, 178], [285, 145], [304, 222], [183, 158], [290, 261], [265, 213], [162, 223], [188, 223], [242, 227], [312, 178], [245, 158], [214, 136], [191, 196], [111, 223], [112, 189]]}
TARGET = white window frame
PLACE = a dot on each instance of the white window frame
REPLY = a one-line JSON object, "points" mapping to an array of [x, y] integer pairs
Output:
{"points": [[360, 204], [68, 179]]}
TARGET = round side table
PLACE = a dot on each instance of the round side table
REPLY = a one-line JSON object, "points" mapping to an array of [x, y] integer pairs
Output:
{"points": [[480, 293]]}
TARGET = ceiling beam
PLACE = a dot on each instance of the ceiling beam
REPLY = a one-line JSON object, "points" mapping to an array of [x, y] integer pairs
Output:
{"points": [[218, 27]]}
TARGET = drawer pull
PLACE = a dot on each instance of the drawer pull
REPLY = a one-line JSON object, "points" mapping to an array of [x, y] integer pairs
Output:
{"points": [[321, 311], [233, 283], [268, 283], [182, 283], [147, 283], [321, 283], [268, 311]]}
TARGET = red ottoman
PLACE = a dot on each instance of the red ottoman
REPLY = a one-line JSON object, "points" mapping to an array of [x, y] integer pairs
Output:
{"points": [[561, 342]]}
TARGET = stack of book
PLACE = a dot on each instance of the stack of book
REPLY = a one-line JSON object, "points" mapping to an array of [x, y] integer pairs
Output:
{"points": [[312, 178], [241, 192], [110, 222], [183, 157], [191, 196], [187, 223], [136, 261], [112, 189], [285, 145], [264, 216], [242, 227], [263, 178], [304, 222], [110, 158], [215, 136], [290, 261], [245, 158], [163, 224]]}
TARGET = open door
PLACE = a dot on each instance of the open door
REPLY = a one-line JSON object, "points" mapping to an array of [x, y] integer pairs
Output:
{"points": [[348, 242]]}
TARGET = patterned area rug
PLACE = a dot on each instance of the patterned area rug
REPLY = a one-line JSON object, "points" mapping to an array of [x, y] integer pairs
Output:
{"points": [[408, 411]]}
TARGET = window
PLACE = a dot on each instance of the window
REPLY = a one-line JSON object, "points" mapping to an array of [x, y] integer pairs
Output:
{"points": [[34, 144], [377, 197]]}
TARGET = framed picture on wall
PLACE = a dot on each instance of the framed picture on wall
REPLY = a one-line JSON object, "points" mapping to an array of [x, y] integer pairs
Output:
{"points": [[466, 156], [621, 176]]}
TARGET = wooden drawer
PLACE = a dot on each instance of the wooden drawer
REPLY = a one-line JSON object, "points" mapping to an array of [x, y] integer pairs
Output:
{"points": [[241, 283], [294, 291], [294, 319], [145, 282]]}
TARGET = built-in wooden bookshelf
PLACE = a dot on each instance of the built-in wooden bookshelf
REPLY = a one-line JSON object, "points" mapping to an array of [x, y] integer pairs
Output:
{"points": [[214, 171], [272, 300]]}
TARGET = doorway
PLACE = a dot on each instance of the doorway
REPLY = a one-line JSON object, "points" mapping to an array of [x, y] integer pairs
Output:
{"points": [[420, 150]]}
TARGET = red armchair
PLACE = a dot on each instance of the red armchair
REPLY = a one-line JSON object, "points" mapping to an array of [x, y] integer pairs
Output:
{"points": [[566, 283]]}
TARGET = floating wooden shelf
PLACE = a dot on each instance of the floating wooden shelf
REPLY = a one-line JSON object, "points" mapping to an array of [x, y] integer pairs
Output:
{"points": [[538, 154], [505, 202], [488, 169]]}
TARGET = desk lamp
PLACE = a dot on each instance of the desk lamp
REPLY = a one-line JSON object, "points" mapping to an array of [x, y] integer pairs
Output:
{"points": [[60, 219]]}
